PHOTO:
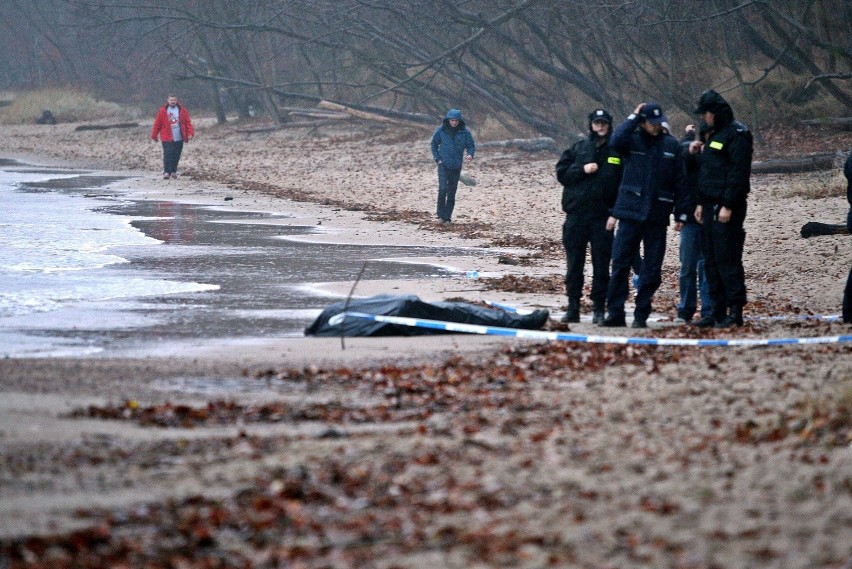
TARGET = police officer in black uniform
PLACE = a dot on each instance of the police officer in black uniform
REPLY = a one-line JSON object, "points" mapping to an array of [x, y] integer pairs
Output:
{"points": [[589, 172], [723, 187]]}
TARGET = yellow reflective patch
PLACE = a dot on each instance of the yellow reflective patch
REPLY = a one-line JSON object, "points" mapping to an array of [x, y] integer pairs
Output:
{"points": [[716, 145], [614, 160]]}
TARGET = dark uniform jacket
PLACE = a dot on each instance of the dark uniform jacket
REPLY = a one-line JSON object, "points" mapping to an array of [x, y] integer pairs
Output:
{"points": [[725, 173], [654, 179], [589, 194]]}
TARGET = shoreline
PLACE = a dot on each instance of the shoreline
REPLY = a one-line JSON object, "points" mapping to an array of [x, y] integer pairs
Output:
{"points": [[343, 227]]}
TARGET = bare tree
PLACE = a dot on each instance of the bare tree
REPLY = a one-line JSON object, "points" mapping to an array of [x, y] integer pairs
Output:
{"points": [[531, 64]]}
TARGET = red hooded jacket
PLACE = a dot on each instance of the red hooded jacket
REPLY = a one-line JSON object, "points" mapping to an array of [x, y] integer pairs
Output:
{"points": [[163, 129]]}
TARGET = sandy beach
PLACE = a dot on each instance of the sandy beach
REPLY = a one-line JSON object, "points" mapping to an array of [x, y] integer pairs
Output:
{"points": [[446, 451]]}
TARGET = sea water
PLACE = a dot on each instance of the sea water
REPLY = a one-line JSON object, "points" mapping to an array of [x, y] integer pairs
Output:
{"points": [[84, 270], [54, 248]]}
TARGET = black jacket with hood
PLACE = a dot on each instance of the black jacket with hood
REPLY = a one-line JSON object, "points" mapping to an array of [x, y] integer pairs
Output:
{"points": [[724, 177], [589, 194]]}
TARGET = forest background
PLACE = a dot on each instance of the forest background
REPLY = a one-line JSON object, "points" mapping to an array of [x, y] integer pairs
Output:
{"points": [[516, 67]]}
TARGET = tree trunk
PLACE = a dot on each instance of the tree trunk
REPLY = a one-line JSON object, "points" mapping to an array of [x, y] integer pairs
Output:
{"points": [[813, 163]]}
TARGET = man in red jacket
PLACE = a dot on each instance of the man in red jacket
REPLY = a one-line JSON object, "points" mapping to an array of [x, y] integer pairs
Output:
{"points": [[173, 127]]}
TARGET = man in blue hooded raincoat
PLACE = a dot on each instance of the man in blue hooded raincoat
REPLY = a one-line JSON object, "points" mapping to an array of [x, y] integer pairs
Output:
{"points": [[452, 145]]}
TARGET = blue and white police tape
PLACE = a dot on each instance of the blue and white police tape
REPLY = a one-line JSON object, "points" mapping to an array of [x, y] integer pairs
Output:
{"points": [[563, 336], [800, 317]]}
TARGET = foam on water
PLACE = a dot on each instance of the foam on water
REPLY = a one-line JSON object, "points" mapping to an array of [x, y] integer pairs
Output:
{"points": [[54, 244]]}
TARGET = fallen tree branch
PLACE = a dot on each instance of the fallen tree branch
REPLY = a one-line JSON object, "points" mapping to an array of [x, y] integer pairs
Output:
{"points": [[294, 124], [378, 114], [844, 123], [330, 115], [812, 163], [526, 144], [107, 126], [815, 228], [826, 76]]}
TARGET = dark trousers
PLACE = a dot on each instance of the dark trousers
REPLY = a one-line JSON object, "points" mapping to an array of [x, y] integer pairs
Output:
{"points": [[171, 156], [692, 272], [448, 183], [722, 245], [578, 232], [628, 239], [847, 299]]}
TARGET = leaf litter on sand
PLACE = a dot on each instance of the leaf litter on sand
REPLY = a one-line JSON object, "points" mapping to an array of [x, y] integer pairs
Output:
{"points": [[506, 460]]}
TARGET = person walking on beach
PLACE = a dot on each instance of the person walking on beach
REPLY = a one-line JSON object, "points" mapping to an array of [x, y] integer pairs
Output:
{"points": [[723, 187], [653, 185], [692, 280], [173, 126], [452, 145], [589, 172]]}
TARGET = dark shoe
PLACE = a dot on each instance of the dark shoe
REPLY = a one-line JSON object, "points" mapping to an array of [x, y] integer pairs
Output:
{"points": [[706, 322], [166, 175], [734, 318], [598, 317], [683, 318], [614, 322], [639, 323], [572, 314], [537, 319]]}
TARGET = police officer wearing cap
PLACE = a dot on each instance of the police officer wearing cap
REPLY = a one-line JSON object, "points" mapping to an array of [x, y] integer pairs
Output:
{"points": [[589, 172], [653, 185], [723, 188]]}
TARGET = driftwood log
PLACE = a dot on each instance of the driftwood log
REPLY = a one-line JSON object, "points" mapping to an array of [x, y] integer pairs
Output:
{"points": [[815, 228], [840, 123], [813, 163], [330, 115], [293, 124], [378, 113], [525, 144], [107, 126]]}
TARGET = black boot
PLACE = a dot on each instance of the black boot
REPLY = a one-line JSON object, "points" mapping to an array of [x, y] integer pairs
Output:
{"points": [[598, 313], [718, 315], [536, 320], [573, 312], [614, 321], [734, 318]]}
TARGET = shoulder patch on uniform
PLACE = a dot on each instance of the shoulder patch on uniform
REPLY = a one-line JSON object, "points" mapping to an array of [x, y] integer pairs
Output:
{"points": [[716, 145]]}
